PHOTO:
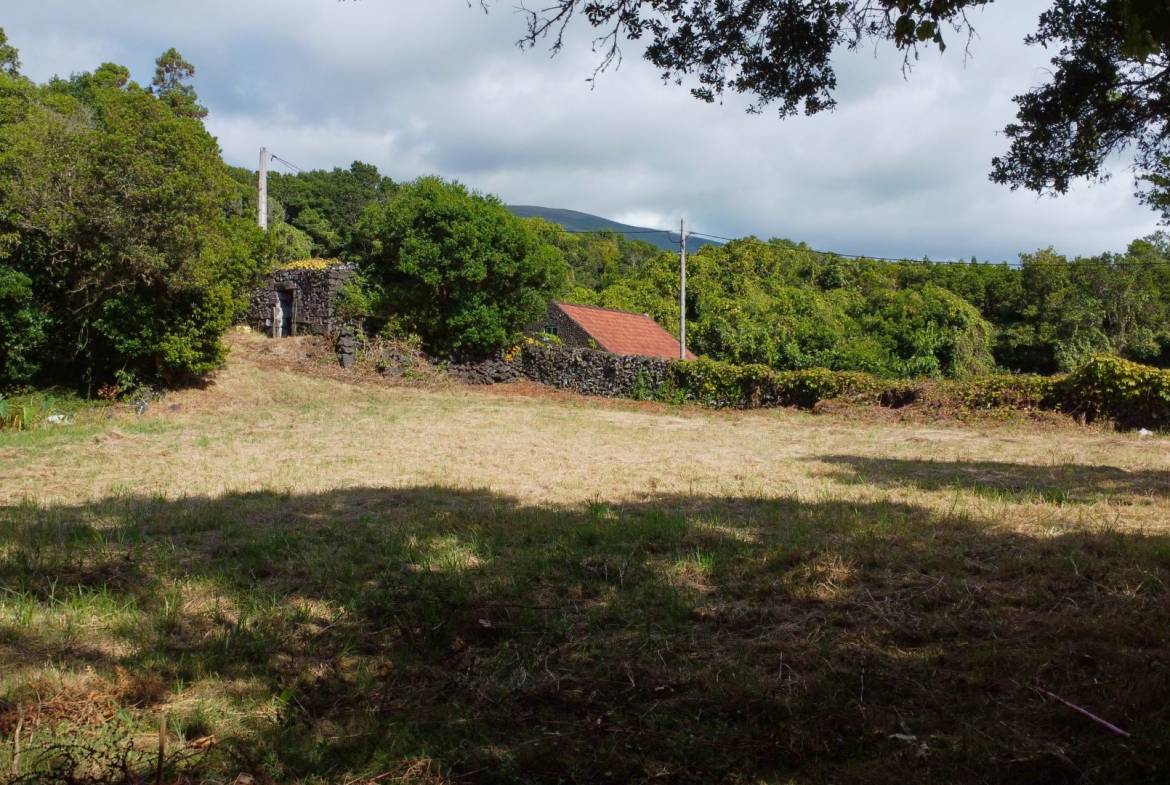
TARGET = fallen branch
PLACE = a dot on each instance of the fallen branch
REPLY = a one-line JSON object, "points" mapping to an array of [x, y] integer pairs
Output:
{"points": [[1085, 713]]}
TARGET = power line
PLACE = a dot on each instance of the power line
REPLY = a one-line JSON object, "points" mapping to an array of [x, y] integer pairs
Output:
{"points": [[666, 232], [287, 163]]}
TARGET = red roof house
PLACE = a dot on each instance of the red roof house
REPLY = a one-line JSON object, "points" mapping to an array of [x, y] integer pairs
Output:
{"points": [[616, 332]]}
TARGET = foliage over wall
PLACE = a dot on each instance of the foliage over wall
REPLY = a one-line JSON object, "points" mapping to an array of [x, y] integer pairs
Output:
{"points": [[1111, 388], [123, 250]]}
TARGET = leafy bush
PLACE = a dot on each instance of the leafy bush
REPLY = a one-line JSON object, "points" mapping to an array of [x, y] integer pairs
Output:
{"points": [[1106, 387], [21, 328], [456, 267], [355, 300], [714, 383], [1130, 394], [997, 391], [290, 244]]}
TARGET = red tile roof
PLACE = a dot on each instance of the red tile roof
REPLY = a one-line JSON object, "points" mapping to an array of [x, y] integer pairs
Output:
{"points": [[622, 332]]}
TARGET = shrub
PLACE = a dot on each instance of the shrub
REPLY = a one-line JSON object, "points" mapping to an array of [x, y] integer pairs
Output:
{"points": [[290, 244], [21, 328], [996, 391], [1130, 394], [715, 383], [355, 300]]}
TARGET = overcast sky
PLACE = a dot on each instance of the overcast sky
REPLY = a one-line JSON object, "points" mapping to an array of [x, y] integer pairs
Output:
{"points": [[435, 87]]}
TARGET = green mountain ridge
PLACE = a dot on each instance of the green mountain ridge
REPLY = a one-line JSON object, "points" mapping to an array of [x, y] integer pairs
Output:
{"points": [[576, 221]]}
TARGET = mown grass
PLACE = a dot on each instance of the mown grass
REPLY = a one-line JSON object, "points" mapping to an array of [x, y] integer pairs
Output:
{"points": [[335, 636], [522, 591]]}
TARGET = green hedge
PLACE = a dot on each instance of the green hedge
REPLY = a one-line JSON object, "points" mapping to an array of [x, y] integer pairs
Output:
{"points": [[1004, 391], [714, 383], [1111, 388], [1105, 387]]}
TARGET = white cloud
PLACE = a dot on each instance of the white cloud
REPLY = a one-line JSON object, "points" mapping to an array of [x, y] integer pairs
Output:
{"points": [[433, 86]]}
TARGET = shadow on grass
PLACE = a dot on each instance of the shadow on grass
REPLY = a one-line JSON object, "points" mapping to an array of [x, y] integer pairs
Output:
{"points": [[1065, 483], [460, 635]]}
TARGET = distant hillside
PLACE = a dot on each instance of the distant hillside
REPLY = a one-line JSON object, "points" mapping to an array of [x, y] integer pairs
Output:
{"points": [[584, 222]]}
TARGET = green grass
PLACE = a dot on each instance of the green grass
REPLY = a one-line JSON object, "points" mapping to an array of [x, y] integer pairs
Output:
{"points": [[442, 634]]}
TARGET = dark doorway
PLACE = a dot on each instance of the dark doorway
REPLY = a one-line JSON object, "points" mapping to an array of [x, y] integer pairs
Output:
{"points": [[284, 313]]}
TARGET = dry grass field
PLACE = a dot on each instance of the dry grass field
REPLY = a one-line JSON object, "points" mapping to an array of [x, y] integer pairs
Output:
{"points": [[315, 580]]}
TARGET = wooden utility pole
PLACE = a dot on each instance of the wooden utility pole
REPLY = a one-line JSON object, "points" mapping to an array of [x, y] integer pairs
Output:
{"points": [[262, 194], [682, 289]]}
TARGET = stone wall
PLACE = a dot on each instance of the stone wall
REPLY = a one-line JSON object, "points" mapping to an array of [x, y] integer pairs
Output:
{"points": [[593, 372], [313, 295], [556, 322], [494, 370]]}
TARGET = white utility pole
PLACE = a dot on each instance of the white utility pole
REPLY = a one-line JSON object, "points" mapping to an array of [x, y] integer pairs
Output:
{"points": [[682, 289], [262, 194]]}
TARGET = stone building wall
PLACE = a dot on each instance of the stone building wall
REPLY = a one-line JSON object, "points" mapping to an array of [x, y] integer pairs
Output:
{"points": [[311, 294], [557, 322], [593, 372]]}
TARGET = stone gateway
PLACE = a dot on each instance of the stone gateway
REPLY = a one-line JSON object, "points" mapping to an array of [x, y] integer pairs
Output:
{"points": [[300, 301]]}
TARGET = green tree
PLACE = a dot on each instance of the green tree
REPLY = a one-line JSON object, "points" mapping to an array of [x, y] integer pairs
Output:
{"points": [[290, 243], [171, 73], [456, 267], [9, 56], [779, 304], [596, 259], [327, 205], [21, 328], [117, 209]]}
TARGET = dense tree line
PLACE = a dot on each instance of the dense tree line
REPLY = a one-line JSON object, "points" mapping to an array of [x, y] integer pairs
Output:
{"points": [[317, 212], [781, 304]]}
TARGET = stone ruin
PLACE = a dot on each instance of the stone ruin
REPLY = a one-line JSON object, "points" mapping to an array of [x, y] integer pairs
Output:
{"points": [[304, 302], [300, 302]]}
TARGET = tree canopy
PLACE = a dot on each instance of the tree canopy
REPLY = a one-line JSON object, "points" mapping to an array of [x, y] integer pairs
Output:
{"points": [[455, 267], [781, 304], [171, 73], [327, 205], [1109, 87], [9, 56]]}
